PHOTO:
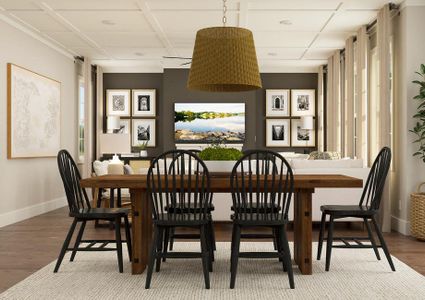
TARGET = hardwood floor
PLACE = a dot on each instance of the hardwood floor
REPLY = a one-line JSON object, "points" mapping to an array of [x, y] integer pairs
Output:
{"points": [[27, 246]]}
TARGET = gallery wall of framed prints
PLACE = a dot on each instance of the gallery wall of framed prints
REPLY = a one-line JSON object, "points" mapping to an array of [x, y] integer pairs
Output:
{"points": [[137, 111], [284, 110]]}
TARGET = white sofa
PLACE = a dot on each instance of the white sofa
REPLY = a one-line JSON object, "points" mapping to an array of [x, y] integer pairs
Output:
{"points": [[300, 165]]}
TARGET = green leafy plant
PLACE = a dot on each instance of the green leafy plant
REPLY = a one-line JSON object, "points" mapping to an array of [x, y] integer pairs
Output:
{"points": [[220, 153], [419, 129], [142, 146]]}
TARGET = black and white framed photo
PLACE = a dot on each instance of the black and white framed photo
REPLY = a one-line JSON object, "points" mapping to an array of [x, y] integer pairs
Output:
{"points": [[143, 130], [277, 103], [301, 137], [144, 103], [118, 103], [124, 126], [303, 103], [277, 133]]}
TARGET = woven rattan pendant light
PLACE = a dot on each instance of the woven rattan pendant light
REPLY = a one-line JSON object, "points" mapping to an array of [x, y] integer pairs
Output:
{"points": [[224, 60]]}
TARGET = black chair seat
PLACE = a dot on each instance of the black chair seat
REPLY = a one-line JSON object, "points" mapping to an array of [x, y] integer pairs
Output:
{"points": [[347, 210], [260, 220], [268, 208], [190, 209], [100, 213]]}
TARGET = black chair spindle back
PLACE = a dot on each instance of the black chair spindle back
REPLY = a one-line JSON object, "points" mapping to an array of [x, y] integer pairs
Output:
{"points": [[372, 192], [262, 184]]}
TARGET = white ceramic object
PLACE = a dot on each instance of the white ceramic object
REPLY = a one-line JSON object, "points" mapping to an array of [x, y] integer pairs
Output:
{"points": [[220, 165], [143, 153]]}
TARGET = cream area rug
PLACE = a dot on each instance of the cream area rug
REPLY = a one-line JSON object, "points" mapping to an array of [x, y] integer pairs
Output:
{"points": [[354, 274]]}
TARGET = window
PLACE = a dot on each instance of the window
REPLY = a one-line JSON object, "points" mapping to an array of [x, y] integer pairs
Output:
{"points": [[374, 105], [81, 119]]}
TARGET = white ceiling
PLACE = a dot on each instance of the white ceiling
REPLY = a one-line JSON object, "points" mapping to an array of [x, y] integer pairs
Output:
{"points": [[134, 35]]}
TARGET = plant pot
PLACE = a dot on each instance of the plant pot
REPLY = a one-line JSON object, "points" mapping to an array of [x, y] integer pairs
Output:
{"points": [[143, 153], [220, 165]]}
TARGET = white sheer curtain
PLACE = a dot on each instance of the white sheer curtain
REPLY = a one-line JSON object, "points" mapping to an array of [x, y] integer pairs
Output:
{"points": [[320, 111], [333, 103], [361, 86], [348, 106], [384, 36]]}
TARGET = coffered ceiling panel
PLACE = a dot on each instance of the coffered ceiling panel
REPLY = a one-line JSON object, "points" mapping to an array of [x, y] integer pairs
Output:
{"points": [[91, 4], [69, 39], [283, 39], [319, 53], [350, 20], [293, 20], [331, 40], [280, 53], [293, 4], [182, 39], [40, 20], [192, 4], [192, 21], [90, 52], [125, 39], [22, 4], [136, 52]]}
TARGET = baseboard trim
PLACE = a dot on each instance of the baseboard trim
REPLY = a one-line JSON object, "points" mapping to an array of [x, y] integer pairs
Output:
{"points": [[31, 211], [400, 225]]}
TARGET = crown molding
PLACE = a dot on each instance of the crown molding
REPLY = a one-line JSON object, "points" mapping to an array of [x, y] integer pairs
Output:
{"points": [[34, 34]]}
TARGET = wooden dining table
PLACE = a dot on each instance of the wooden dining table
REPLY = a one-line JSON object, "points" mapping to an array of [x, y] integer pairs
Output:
{"points": [[304, 187]]}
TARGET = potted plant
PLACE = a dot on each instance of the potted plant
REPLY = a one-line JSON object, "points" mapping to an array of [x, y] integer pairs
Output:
{"points": [[142, 147], [417, 207], [220, 159]]}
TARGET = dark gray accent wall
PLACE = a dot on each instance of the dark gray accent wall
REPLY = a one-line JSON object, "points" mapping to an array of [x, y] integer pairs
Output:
{"points": [[171, 88]]}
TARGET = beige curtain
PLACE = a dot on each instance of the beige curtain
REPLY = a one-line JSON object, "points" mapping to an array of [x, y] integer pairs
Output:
{"points": [[362, 46], [99, 113], [88, 119], [320, 111], [383, 36], [348, 107], [333, 106]]}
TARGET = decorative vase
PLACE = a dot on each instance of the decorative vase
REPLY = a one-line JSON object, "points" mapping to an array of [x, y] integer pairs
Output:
{"points": [[143, 153], [224, 166]]}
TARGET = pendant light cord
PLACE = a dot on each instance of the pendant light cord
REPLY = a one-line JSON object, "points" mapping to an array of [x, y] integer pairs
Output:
{"points": [[224, 13]]}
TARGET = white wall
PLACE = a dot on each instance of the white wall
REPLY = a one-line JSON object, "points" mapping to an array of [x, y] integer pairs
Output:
{"points": [[32, 186], [410, 53]]}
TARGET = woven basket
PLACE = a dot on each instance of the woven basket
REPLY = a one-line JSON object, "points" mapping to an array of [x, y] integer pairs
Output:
{"points": [[417, 214]]}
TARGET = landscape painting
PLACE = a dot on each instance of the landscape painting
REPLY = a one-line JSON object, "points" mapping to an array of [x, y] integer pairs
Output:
{"points": [[209, 122]]}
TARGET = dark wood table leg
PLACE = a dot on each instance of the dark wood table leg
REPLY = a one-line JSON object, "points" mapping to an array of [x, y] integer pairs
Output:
{"points": [[141, 229], [303, 227]]}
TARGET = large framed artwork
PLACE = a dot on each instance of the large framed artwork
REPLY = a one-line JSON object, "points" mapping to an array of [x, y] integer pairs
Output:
{"points": [[33, 114], [144, 131], [277, 133], [124, 126], [144, 103], [277, 103], [118, 103], [303, 103], [301, 137]]}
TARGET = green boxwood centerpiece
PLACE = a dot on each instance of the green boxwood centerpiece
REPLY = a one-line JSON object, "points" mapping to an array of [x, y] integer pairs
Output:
{"points": [[220, 153]]}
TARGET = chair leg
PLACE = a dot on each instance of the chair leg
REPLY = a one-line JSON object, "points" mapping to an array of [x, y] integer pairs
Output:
{"points": [[78, 240], [232, 245], [209, 231], [212, 235], [371, 238], [128, 238], [287, 256], [152, 258], [172, 231], [119, 243], [166, 239], [65, 245], [383, 244], [206, 260], [275, 237], [329, 243], [235, 256], [321, 234], [280, 250], [98, 204], [159, 243]]}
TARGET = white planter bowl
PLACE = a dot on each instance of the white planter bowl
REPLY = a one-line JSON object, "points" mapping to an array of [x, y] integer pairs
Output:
{"points": [[220, 165]]}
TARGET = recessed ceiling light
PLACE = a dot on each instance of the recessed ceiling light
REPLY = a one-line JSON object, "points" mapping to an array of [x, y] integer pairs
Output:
{"points": [[138, 54], [286, 22], [272, 54], [108, 22]]}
